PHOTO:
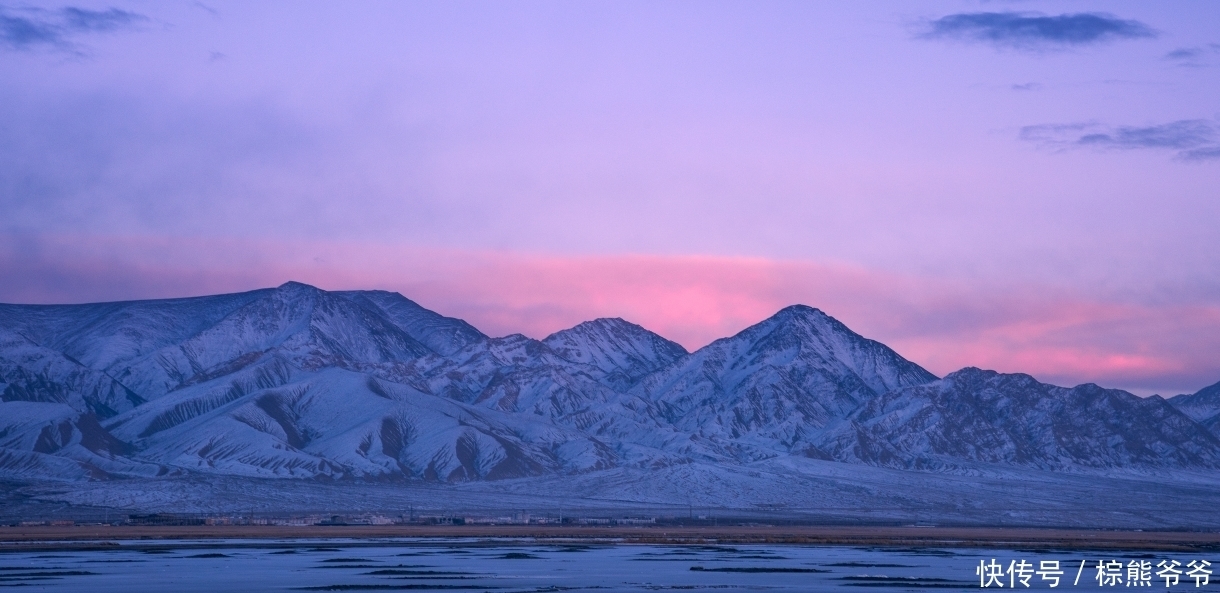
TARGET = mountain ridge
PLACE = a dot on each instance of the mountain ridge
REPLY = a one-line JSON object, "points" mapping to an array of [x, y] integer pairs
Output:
{"points": [[299, 382], [1203, 406]]}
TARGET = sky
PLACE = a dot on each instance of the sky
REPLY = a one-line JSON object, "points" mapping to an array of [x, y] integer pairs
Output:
{"points": [[1021, 186]]}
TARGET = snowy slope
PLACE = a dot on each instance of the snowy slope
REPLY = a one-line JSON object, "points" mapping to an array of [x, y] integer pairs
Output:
{"points": [[522, 376], [336, 422], [41, 439], [1203, 406], [623, 352], [107, 336], [1013, 419], [29, 372], [772, 388], [772, 491], [297, 382], [313, 328], [442, 335]]}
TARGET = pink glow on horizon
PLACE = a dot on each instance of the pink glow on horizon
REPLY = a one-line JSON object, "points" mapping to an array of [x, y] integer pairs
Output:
{"points": [[942, 325]]}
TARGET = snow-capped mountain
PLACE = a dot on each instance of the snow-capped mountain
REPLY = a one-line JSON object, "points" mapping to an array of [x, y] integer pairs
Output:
{"points": [[773, 387], [978, 415], [622, 351], [440, 334], [30, 372], [519, 375], [335, 422], [155, 347], [1203, 406], [299, 382]]}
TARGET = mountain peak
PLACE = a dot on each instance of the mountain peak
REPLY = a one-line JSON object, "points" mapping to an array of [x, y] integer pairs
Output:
{"points": [[799, 310], [975, 378], [1209, 395], [607, 322], [604, 325], [804, 319], [623, 351], [1202, 405], [800, 315], [972, 373], [294, 286], [777, 382]]}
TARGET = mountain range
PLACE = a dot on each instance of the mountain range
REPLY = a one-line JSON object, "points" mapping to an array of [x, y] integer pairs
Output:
{"points": [[298, 382]]}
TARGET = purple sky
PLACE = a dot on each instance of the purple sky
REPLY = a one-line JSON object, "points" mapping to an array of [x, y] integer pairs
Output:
{"points": [[998, 184]]}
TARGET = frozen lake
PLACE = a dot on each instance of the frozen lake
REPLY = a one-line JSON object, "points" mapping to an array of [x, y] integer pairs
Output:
{"points": [[447, 565]]}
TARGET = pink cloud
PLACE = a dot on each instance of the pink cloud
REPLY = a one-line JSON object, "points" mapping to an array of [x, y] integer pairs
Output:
{"points": [[944, 324]]}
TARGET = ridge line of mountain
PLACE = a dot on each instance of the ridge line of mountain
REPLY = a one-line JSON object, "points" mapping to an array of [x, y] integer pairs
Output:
{"points": [[295, 381]]}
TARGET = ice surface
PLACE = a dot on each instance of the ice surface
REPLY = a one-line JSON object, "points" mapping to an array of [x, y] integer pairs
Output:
{"points": [[341, 565]]}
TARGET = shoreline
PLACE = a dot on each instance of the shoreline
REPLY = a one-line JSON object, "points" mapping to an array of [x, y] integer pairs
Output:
{"points": [[91, 537]]}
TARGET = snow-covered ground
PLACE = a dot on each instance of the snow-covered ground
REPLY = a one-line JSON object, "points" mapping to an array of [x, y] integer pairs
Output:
{"points": [[778, 490]]}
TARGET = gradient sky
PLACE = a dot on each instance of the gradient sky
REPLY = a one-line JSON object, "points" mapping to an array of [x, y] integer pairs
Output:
{"points": [[1024, 186]]}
